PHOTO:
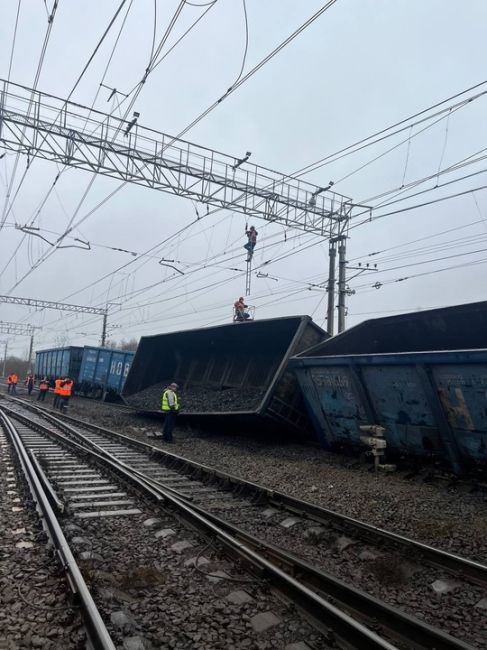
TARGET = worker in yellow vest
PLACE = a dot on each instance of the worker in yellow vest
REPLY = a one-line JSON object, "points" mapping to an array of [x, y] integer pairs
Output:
{"points": [[170, 408]]}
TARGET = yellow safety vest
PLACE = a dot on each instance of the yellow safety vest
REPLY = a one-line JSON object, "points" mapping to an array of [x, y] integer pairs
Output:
{"points": [[165, 402]]}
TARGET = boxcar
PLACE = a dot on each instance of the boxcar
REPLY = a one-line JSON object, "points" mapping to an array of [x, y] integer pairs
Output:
{"points": [[59, 362], [103, 372]]}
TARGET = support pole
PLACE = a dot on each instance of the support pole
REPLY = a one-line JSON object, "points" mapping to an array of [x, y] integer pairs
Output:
{"points": [[5, 357], [342, 251], [330, 318], [31, 348], [104, 330]]}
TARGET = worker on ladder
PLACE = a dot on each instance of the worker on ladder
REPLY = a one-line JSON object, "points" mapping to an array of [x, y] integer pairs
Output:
{"points": [[252, 240]]}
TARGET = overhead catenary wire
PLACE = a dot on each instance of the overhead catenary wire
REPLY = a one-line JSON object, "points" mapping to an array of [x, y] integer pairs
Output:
{"points": [[70, 226], [50, 23], [73, 89], [230, 90], [372, 138]]}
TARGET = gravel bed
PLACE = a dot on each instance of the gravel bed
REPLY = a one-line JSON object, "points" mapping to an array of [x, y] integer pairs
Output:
{"points": [[200, 399], [34, 599], [151, 595], [384, 573], [429, 512], [450, 517]]}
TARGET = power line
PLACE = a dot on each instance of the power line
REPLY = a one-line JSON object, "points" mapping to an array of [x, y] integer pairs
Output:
{"points": [[13, 40], [137, 89], [77, 82], [337, 155], [230, 90], [50, 23]]}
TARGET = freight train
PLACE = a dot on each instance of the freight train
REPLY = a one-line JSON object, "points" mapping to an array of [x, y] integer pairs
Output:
{"points": [[422, 376], [98, 372]]}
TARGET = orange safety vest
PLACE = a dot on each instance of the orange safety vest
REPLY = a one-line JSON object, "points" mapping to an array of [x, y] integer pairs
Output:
{"points": [[57, 386], [9, 379], [43, 385], [66, 389], [14, 379]]}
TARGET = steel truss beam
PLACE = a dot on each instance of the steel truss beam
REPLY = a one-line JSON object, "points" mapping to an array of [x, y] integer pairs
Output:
{"points": [[17, 328], [48, 127], [48, 304]]}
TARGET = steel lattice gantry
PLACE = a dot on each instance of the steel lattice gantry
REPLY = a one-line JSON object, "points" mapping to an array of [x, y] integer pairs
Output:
{"points": [[61, 306], [49, 304], [17, 328], [41, 125]]}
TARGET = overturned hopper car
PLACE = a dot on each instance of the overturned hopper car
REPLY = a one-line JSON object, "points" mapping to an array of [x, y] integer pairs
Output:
{"points": [[227, 374], [423, 376]]}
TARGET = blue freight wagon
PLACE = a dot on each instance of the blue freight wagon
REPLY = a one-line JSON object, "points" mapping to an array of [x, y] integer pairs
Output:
{"points": [[422, 376], [58, 362], [103, 372]]}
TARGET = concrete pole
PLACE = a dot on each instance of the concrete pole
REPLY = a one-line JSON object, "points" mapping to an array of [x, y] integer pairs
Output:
{"points": [[5, 357], [342, 251], [330, 318], [104, 330], [31, 348]]}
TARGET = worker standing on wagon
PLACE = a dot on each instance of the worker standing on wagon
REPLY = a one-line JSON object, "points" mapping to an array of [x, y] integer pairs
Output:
{"points": [[57, 392], [66, 392], [240, 314], [14, 380], [252, 240], [9, 383], [43, 389], [170, 408]]}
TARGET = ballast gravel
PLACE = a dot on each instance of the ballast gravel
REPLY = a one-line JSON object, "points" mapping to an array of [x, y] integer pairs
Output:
{"points": [[449, 516], [446, 516], [35, 608]]}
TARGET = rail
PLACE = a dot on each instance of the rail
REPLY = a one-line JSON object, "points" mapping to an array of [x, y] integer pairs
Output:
{"points": [[450, 562], [313, 586], [96, 630]]}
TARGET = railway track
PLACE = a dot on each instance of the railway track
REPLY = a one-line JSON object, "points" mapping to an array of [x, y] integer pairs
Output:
{"points": [[274, 524], [102, 514]]}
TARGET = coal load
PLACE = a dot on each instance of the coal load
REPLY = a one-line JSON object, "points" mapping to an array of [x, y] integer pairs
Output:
{"points": [[200, 399]]}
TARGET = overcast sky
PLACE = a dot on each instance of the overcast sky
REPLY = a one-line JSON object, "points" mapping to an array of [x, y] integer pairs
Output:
{"points": [[361, 66]]}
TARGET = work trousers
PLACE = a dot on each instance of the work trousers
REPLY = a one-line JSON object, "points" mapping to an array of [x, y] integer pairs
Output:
{"points": [[13, 390], [169, 424], [42, 395], [57, 399], [63, 406], [30, 387]]}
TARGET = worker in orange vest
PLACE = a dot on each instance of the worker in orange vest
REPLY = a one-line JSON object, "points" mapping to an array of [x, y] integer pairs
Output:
{"points": [[14, 379], [43, 389], [9, 383], [66, 391], [57, 391]]}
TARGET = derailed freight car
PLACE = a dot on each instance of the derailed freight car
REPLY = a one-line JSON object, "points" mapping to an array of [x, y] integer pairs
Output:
{"points": [[103, 372], [231, 375], [97, 372], [423, 376], [58, 362]]}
